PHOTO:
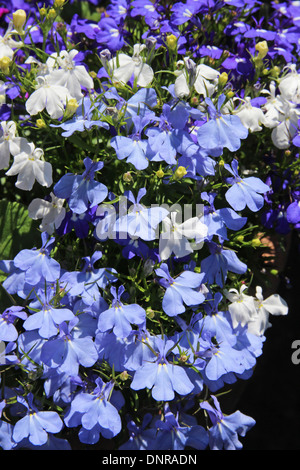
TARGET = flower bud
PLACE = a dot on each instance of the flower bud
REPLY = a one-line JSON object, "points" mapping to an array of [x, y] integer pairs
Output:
{"points": [[180, 172], [127, 177], [58, 3], [71, 107], [255, 242], [223, 78], [19, 18], [262, 49], [5, 64], [51, 14], [40, 123], [124, 375], [172, 42], [160, 173]]}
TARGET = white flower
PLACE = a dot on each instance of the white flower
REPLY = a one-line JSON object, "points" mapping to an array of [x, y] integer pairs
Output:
{"points": [[174, 237], [202, 77], [8, 44], [124, 66], [29, 167], [283, 133], [242, 307], [69, 75], [289, 85], [9, 143], [250, 116], [274, 107], [274, 305], [51, 212], [48, 95]]}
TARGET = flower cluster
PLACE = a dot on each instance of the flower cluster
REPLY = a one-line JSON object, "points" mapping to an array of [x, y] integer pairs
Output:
{"points": [[147, 162]]}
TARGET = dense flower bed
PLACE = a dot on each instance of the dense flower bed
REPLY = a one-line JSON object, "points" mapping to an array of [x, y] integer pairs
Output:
{"points": [[147, 150]]}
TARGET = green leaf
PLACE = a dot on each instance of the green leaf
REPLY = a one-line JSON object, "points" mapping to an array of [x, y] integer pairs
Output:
{"points": [[18, 231]]}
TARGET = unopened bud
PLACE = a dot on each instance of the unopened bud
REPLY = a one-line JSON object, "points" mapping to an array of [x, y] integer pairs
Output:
{"points": [[5, 64], [172, 42], [51, 14], [124, 375], [40, 123], [71, 107], [255, 242], [223, 78], [230, 94], [180, 172], [19, 18], [58, 3], [127, 177], [262, 49], [160, 173]]}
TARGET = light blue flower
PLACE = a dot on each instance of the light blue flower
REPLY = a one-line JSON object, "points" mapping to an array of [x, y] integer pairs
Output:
{"points": [[244, 191], [221, 130]]}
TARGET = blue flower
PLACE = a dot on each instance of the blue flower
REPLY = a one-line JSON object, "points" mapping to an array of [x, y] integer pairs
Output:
{"points": [[36, 425], [67, 351], [219, 262], [135, 149], [86, 282], [47, 319], [218, 220], [222, 130], [172, 434], [95, 413], [120, 317], [244, 191], [8, 331], [140, 222], [140, 437], [179, 291], [162, 377], [225, 430], [37, 263], [83, 118], [82, 191]]}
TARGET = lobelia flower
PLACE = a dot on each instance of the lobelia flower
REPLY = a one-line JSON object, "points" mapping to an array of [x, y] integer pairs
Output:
{"points": [[36, 425], [37, 263], [8, 331], [140, 437], [218, 220], [132, 147], [111, 32], [8, 44], [82, 191], [86, 282], [274, 305], [221, 130], [242, 307], [83, 118], [10, 144], [124, 67], [174, 433], [174, 236], [30, 167], [282, 135], [95, 413], [140, 221], [50, 210], [45, 317], [119, 317], [161, 376], [179, 291], [251, 116], [67, 351], [224, 432], [289, 84], [219, 262], [48, 95], [201, 77], [244, 191], [70, 74]]}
